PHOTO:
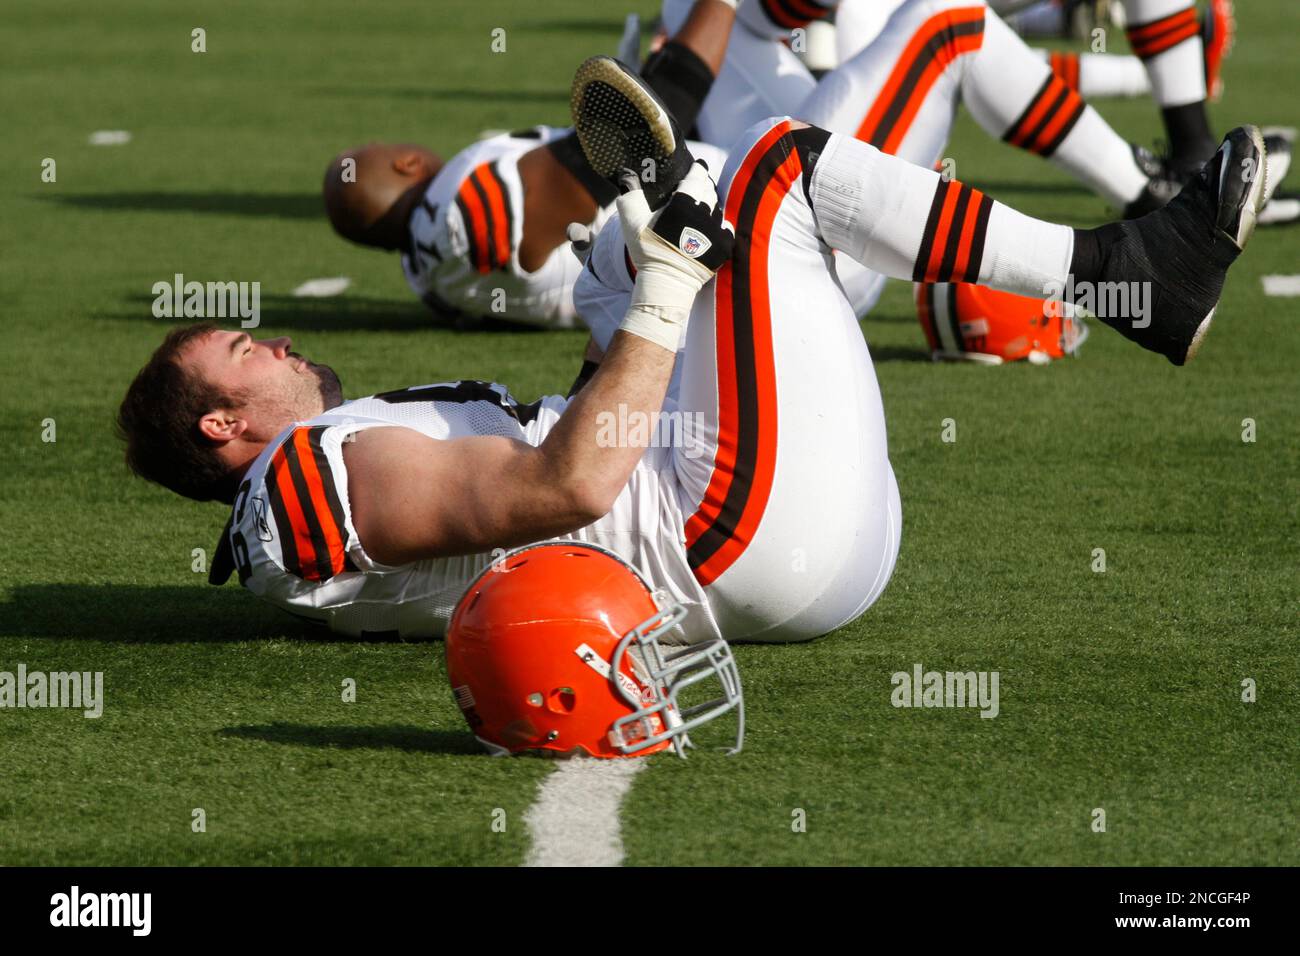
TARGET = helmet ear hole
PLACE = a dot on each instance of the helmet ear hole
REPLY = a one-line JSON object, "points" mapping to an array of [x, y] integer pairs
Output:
{"points": [[561, 700]]}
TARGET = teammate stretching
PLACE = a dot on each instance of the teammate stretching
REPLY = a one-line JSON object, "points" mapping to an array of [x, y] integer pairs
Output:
{"points": [[901, 91], [483, 234]]}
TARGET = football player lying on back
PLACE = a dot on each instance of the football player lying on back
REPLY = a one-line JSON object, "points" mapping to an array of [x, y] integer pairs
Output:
{"points": [[373, 515], [483, 234]]}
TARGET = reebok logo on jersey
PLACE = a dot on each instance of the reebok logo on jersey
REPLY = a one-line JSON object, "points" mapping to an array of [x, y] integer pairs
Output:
{"points": [[259, 519], [693, 243]]}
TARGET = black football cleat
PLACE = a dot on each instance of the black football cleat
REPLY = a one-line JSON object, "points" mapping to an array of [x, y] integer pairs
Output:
{"points": [[1160, 188], [1167, 179], [623, 125], [1147, 161], [1180, 254]]}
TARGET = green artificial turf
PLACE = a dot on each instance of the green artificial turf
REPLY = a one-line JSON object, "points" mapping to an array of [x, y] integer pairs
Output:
{"points": [[1119, 690]]}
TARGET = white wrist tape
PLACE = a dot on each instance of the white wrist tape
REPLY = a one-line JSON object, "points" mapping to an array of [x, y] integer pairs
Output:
{"points": [[666, 280], [660, 325]]}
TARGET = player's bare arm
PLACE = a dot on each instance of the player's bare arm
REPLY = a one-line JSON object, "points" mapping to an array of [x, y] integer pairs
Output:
{"points": [[707, 30], [415, 498], [553, 198]]}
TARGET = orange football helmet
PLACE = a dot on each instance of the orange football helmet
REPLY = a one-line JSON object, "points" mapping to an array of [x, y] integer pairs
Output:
{"points": [[555, 647], [979, 324]]}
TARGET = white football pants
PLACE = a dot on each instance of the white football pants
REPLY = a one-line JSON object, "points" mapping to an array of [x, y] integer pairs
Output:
{"points": [[791, 516], [794, 517]]}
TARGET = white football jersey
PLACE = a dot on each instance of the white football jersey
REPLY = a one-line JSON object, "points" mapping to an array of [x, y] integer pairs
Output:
{"points": [[463, 253], [294, 543]]}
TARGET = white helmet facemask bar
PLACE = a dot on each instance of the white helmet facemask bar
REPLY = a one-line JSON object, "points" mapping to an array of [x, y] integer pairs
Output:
{"points": [[1074, 330], [666, 672]]}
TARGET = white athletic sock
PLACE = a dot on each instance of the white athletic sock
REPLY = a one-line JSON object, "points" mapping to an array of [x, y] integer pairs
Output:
{"points": [[1165, 34], [1099, 75], [1025, 255], [1013, 94], [907, 222], [1112, 74], [1096, 155]]}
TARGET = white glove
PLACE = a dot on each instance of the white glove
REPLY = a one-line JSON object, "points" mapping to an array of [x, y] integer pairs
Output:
{"points": [[580, 239], [675, 251]]}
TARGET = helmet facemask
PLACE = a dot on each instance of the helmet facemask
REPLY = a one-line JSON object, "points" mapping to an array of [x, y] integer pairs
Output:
{"points": [[1074, 330], [665, 672]]}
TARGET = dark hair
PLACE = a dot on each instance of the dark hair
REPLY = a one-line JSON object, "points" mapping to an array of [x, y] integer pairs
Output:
{"points": [[159, 421]]}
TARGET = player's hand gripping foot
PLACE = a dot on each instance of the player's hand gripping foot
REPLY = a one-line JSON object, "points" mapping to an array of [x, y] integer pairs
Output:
{"points": [[622, 124], [675, 252], [1181, 253]]}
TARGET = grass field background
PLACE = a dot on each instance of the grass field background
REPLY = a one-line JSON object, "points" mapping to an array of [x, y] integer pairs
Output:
{"points": [[1119, 690]]}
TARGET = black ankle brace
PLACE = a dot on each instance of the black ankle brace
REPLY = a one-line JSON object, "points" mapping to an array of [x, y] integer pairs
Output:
{"points": [[681, 79], [568, 151], [1091, 247]]}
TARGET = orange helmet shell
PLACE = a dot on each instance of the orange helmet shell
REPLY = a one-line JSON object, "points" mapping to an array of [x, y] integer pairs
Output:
{"points": [[529, 649], [976, 323]]}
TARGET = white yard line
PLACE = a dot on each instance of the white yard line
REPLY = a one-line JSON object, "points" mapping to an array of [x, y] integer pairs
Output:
{"points": [[1282, 285], [109, 137], [322, 288], [575, 819]]}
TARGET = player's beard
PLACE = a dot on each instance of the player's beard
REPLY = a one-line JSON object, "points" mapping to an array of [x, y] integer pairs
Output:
{"points": [[324, 383], [327, 380]]}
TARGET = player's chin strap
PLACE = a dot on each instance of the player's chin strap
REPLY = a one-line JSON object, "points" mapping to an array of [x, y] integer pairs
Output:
{"points": [[665, 672]]}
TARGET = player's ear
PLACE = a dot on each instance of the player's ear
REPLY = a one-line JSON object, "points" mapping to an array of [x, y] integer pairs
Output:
{"points": [[220, 427], [409, 163]]}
